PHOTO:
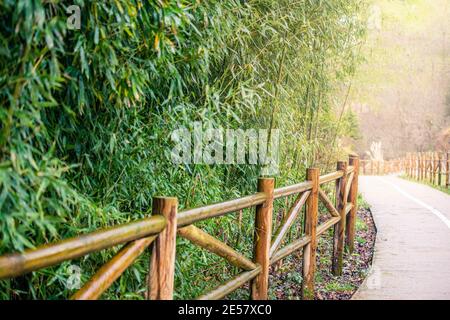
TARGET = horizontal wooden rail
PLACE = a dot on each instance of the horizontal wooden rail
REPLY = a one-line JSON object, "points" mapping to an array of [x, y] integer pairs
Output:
{"points": [[289, 190], [330, 177], [16, 264], [191, 216]]}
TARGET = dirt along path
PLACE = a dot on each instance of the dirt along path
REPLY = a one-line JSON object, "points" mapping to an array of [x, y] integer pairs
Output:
{"points": [[412, 249]]}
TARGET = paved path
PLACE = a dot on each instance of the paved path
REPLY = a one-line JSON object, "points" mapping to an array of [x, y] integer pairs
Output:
{"points": [[412, 250]]}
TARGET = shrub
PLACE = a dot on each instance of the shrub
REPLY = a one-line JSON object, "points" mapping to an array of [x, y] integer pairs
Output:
{"points": [[86, 115]]}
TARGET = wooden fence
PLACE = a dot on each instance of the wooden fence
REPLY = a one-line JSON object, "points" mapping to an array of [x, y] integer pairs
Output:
{"points": [[433, 167], [378, 168], [159, 232]]}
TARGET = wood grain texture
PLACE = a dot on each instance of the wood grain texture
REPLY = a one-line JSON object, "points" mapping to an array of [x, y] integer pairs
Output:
{"points": [[162, 260], [328, 204], [309, 251], [353, 199], [339, 229], [208, 242], [228, 287], [263, 234], [112, 270], [16, 264], [287, 221], [290, 248], [194, 215]]}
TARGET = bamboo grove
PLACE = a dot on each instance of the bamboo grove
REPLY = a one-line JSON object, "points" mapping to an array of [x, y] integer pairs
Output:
{"points": [[86, 115]]}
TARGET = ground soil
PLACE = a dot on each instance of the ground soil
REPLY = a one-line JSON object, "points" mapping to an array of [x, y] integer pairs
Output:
{"points": [[285, 279]]}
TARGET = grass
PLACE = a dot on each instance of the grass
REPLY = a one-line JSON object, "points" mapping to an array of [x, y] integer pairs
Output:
{"points": [[339, 287], [360, 224], [362, 203], [428, 183]]}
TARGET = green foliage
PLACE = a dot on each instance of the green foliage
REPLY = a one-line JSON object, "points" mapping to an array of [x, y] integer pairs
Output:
{"points": [[360, 224], [362, 203], [338, 287], [87, 115]]}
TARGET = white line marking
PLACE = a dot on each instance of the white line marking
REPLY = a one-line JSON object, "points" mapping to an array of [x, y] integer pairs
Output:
{"points": [[434, 211]]}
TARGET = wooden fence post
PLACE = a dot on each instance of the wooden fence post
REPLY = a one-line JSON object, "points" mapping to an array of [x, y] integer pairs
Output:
{"points": [[263, 235], [408, 165], [430, 156], [447, 170], [339, 228], [353, 199], [433, 168], [162, 260], [430, 161], [419, 163], [309, 251], [420, 169], [421, 166], [416, 166], [439, 169]]}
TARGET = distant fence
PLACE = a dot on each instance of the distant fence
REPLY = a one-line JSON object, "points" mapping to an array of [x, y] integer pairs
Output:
{"points": [[161, 229], [433, 167], [380, 167]]}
